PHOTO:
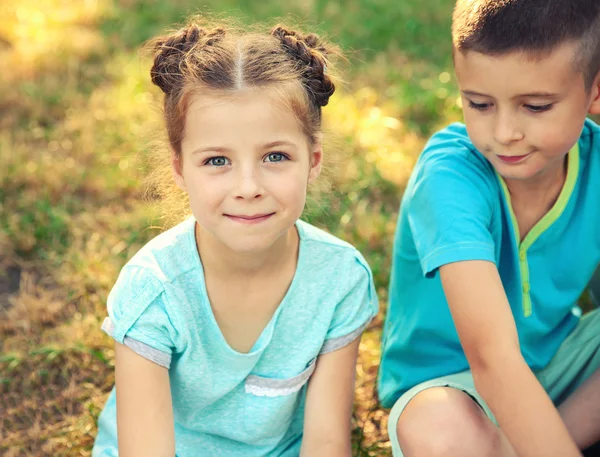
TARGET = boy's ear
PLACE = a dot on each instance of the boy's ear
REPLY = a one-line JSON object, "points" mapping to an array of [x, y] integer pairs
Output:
{"points": [[316, 161], [177, 169], [595, 92]]}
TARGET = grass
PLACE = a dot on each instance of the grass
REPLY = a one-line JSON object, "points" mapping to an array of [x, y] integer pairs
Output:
{"points": [[77, 118]]}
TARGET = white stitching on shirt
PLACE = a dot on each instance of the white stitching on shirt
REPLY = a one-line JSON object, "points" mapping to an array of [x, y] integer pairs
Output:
{"points": [[268, 387]]}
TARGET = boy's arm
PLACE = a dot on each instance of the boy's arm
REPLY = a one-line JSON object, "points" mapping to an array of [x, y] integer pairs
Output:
{"points": [[329, 398], [145, 424], [488, 335]]}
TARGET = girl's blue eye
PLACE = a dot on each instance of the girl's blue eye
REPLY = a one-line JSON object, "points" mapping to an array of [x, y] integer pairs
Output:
{"points": [[217, 161], [538, 108], [275, 157], [479, 106]]}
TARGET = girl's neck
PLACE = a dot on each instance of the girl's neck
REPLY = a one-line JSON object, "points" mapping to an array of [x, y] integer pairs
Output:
{"points": [[221, 261]]}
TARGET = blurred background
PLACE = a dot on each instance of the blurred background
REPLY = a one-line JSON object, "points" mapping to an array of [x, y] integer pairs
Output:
{"points": [[78, 114]]}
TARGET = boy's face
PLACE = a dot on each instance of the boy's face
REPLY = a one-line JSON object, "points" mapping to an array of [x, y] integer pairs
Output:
{"points": [[523, 114]]}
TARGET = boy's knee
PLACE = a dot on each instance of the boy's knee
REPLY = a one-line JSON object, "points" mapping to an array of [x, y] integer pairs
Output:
{"points": [[443, 421]]}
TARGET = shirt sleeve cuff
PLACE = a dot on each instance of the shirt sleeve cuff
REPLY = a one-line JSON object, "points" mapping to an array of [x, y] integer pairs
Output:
{"points": [[457, 253], [148, 352], [342, 341]]}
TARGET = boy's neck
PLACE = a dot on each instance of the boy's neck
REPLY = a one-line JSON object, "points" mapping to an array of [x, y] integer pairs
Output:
{"points": [[226, 263], [541, 189], [531, 199]]}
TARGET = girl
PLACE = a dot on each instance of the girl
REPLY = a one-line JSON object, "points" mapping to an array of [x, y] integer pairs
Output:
{"points": [[237, 330]]}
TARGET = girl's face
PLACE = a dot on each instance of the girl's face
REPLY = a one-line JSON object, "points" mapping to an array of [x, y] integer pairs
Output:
{"points": [[245, 164]]}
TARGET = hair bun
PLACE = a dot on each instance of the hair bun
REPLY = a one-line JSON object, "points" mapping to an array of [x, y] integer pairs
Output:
{"points": [[170, 53], [311, 53]]}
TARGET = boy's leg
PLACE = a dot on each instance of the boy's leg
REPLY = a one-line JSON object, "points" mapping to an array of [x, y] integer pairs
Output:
{"points": [[431, 417], [572, 379], [581, 412], [443, 417]]}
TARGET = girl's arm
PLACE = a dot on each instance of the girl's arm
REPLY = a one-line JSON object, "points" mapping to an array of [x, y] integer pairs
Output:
{"points": [[144, 409], [328, 413], [488, 335]]}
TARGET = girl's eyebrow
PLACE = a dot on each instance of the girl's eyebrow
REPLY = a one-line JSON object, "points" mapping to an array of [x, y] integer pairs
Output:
{"points": [[211, 149], [223, 150], [279, 143]]}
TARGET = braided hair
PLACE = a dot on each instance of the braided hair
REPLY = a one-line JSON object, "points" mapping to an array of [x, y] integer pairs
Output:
{"points": [[197, 58], [310, 53]]}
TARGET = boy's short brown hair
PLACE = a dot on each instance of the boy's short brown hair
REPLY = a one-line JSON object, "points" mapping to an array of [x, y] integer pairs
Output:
{"points": [[537, 27]]}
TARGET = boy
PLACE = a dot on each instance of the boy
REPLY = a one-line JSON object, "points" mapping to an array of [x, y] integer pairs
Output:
{"points": [[498, 236]]}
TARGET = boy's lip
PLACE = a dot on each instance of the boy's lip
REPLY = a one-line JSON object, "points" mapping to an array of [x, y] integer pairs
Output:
{"points": [[513, 159]]}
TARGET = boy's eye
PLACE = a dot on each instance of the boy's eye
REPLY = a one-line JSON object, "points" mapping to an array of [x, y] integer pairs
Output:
{"points": [[217, 161], [479, 106], [275, 157], [538, 108]]}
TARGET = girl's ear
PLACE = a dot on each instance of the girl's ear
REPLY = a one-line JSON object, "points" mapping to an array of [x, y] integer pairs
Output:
{"points": [[595, 91], [316, 161], [177, 169]]}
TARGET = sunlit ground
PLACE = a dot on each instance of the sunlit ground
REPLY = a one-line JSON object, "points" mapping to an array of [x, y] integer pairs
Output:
{"points": [[77, 118]]}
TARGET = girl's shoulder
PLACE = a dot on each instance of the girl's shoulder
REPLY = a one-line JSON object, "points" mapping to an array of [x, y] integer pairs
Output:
{"points": [[169, 254], [335, 283], [140, 306], [318, 241], [322, 253]]}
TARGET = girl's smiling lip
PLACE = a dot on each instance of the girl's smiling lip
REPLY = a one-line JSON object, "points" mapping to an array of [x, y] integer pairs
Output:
{"points": [[253, 219]]}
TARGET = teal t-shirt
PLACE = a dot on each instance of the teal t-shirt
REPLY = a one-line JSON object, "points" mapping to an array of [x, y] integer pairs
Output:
{"points": [[228, 403], [457, 208]]}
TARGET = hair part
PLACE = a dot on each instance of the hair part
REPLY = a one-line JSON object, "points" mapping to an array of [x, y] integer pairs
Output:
{"points": [[536, 27]]}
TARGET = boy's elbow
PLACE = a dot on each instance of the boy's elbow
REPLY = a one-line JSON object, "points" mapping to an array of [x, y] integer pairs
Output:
{"points": [[492, 358]]}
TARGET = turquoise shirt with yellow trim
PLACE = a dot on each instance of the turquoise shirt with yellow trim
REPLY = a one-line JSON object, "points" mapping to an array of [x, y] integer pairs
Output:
{"points": [[457, 208]]}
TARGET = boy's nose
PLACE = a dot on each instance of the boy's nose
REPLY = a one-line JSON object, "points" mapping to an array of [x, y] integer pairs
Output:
{"points": [[506, 129]]}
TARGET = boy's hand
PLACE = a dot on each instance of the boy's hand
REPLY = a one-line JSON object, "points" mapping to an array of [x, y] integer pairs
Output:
{"points": [[488, 335]]}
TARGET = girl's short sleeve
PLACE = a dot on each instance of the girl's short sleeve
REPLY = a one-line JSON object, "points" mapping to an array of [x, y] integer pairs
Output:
{"points": [[138, 316], [357, 306]]}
